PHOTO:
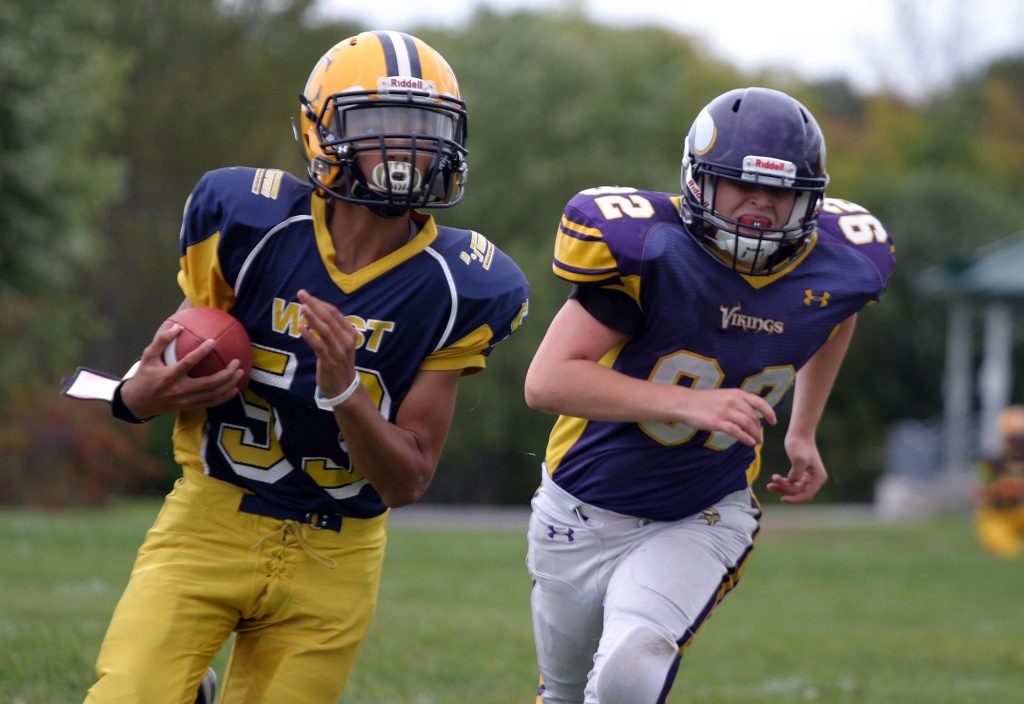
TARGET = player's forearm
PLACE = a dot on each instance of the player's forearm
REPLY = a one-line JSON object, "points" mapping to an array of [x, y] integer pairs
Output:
{"points": [[815, 379], [586, 389], [398, 465]]}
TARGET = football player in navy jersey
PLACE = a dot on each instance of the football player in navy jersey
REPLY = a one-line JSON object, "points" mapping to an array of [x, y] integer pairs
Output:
{"points": [[363, 315], [690, 319]]}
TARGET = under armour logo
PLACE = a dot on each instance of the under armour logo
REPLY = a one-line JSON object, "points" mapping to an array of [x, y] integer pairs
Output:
{"points": [[821, 300], [711, 515], [568, 533]]}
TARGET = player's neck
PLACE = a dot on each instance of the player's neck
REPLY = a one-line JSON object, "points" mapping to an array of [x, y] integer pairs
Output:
{"points": [[360, 237]]}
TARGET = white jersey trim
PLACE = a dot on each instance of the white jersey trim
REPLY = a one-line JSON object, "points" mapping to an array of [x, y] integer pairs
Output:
{"points": [[453, 315], [256, 250]]}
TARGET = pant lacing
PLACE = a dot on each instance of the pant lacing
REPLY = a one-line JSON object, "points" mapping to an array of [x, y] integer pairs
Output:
{"points": [[299, 531]]}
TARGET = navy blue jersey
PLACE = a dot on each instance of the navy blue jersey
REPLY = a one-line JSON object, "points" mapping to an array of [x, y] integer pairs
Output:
{"points": [[251, 239], [704, 326]]}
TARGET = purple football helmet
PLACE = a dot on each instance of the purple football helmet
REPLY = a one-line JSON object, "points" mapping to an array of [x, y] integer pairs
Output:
{"points": [[762, 136]]}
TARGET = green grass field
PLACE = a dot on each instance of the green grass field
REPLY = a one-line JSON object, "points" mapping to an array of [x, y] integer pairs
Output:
{"points": [[886, 614]]}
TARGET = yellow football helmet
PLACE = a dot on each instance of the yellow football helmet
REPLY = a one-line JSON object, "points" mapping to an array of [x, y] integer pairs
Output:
{"points": [[382, 124]]}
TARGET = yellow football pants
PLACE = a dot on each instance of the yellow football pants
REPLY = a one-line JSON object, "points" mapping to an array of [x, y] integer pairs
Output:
{"points": [[300, 600], [1000, 530]]}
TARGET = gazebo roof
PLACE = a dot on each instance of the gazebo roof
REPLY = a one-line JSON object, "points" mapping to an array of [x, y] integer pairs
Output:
{"points": [[993, 272]]}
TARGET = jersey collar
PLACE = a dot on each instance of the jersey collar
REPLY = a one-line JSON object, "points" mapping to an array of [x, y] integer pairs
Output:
{"points": [[350, 282]]}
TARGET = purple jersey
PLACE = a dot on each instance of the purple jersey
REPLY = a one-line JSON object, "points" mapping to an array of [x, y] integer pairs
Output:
{"points": [[704, 326]]}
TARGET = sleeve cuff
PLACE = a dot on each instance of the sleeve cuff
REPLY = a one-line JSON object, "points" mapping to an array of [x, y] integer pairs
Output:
{"points": [[121, 412]]}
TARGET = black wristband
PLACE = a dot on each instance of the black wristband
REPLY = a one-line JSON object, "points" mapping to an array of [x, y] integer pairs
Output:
{"points": [[121, 412]]}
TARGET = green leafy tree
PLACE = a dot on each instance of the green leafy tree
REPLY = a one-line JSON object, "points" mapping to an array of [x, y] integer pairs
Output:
{"points": [[62, 81]]}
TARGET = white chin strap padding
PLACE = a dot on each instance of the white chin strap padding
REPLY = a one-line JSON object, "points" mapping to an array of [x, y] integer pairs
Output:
{"points": [[749, 250], [796, 216]]}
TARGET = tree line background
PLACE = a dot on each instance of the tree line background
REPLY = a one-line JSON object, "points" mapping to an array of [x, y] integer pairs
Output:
{"points": [[113, 109]]}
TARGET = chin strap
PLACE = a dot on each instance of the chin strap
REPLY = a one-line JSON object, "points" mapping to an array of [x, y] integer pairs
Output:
{"points": [[391, 212]]}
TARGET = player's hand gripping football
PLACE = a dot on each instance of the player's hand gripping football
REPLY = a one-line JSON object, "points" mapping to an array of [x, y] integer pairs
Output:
{"points": [[158, 388], [333, 339], [806, 473]]}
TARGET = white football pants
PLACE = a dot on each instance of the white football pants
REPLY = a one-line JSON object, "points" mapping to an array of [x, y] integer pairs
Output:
{"points": [[616, 599]]}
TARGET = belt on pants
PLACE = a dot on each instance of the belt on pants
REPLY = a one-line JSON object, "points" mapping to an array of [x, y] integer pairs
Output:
{"points": [[261, 507]]}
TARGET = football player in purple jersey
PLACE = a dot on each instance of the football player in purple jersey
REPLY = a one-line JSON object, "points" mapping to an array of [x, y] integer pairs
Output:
{"points": [[691, 317], [363, 313]]}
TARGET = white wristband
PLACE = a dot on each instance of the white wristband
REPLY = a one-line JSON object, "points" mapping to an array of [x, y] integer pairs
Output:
{"points": [[329, 403]]}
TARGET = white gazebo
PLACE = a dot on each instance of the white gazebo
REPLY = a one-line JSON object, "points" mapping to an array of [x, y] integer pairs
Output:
{"points": [[991, 280], [991, 283]]}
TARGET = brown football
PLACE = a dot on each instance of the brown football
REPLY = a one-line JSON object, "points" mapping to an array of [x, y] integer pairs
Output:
{"points": [[199, 324]]}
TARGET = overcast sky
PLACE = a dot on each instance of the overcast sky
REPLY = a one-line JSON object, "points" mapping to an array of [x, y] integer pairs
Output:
{"points": [[908, 46]]}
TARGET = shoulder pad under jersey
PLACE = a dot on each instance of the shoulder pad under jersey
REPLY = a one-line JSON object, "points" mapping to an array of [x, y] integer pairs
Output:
{"points": [[600, 239], [850, 225], [228, 213], [491, 293]]}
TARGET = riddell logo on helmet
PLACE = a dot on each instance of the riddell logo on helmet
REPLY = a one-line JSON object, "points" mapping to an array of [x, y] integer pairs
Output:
{"points": [[770, 166], [400, 82], [389, 84], [695, 190]]}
